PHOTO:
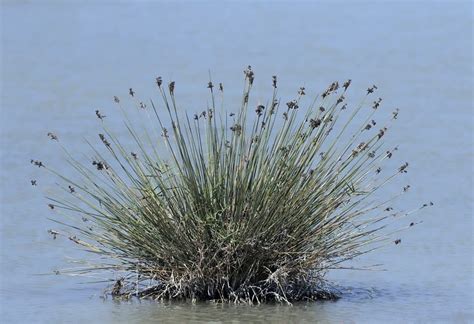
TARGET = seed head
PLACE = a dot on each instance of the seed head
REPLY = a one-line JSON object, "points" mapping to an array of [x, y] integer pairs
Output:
{"points": [[237, 129], [246, 97], [39, 164], [249, 74], [171, 87], [292, 104], [52, 136], [403, 168], [347, 84], [395, 114], [382, 132], [314, 123], [104, 140], [100, 165], [53, 232], [333, 87], [259, 109], [159, 81], [377, 103], [99, 115]]}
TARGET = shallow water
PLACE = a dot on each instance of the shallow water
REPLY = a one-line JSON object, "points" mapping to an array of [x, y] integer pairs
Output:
{"points": [[61, 62]]}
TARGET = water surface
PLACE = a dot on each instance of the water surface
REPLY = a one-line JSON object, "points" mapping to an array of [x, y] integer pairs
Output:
{"points": [[60, 62]]}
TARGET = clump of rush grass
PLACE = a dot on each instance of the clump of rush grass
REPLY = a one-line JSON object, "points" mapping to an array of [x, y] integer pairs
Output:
{"points": [[251, 206]]}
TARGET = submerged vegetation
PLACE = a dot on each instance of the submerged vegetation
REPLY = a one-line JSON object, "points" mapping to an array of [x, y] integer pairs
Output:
{"points": [[247, 206]]}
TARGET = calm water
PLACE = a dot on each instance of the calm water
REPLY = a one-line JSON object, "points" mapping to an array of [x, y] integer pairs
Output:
{"points": [[61, 62]]}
